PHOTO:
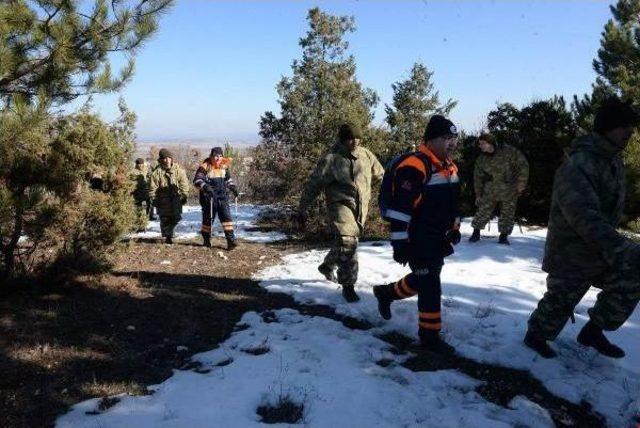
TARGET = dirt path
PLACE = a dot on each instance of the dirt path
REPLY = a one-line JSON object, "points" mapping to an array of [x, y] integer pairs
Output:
{"points": [[120, 332]]}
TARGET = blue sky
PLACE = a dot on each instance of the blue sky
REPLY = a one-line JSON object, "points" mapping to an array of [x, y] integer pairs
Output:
{"points": [[211, 70]]}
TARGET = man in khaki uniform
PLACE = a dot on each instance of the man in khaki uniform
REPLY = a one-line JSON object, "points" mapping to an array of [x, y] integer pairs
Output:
{"points": [[140, 194], [169, 187], [500, 175], [345, 175]]}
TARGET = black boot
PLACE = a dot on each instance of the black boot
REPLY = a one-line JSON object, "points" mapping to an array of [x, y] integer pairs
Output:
{"points": [[327, 272], [591, 335], [231, 240], [206, 240], [539, 345], [168, 240], [384, 296], [475, 236], [503, 239], [432, 342], [349, 294]]}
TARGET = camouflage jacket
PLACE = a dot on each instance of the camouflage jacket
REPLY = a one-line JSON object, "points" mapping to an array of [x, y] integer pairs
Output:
{"points": [[141, 185], [346, 178], [586, 207], [168, 187], [500, 172]]}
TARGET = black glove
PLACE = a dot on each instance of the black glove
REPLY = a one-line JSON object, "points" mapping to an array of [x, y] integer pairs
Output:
{"points": [[400, 251], [453, 236], [207, 189], [234, 191], [183, 199]]}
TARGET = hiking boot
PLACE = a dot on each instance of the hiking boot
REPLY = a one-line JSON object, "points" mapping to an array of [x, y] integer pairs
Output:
{"points": [[231, 240], [384, 301], [475, 236], [432, 342], [349, 294], [231, 244], [591, 335], [539, 345], [168, 240], [503, 239], [206, 240], [328, 273]]}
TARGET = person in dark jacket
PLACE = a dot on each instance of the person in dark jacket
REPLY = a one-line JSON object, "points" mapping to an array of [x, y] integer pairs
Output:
{"points": [[424, 226], [214, 181], [583, 247]]}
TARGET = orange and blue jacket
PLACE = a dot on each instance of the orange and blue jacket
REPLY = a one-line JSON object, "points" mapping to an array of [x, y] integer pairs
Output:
{"points": [[217, 176], [424, 204]]}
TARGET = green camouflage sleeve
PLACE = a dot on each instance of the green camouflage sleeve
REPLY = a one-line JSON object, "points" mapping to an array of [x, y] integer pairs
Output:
{"points": [[377, 170], [183, 183], [153, 185], [522, 169], [314, 185], [577, 198], [478, 175]]}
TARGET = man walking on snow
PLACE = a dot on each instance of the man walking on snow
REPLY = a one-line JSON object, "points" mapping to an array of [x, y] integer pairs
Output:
{"points": [[424, 226], [500, 175], [214, 181], [583, 247], [345, 175], [169, 188]]}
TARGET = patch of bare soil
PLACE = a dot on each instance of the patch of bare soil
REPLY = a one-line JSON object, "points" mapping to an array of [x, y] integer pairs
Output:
{"points": [[119, 332]]}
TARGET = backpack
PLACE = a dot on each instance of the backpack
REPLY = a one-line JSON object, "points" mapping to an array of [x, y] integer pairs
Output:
{"points": [[386, 187]]}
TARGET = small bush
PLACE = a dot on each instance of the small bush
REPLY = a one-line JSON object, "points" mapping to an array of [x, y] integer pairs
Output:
{"points": [[285, 410]]}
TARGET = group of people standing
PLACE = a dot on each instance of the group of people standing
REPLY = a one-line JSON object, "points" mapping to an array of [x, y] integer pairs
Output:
{"points": [[166, 188], [583, 246]]}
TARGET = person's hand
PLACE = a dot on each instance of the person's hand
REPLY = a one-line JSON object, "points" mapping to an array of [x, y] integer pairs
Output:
{"points": [[521, 188], [234, 191], [400, 251], [183, 199], [453, 236]]}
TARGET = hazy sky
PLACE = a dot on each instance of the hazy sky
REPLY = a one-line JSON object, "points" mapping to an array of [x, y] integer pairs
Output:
{"points": [[211, 70]]}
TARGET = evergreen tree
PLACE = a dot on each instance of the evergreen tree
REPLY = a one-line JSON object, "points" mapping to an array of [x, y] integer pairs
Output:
{"points": [[618, 62], [414, 101], [618, 68], [321, 94], [542, 131], [60, 49]]}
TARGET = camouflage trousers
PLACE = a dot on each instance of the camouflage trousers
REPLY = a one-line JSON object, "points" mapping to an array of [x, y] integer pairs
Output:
{"points": [[168, 224], [614, 305], [488, 203], [343, 255]]}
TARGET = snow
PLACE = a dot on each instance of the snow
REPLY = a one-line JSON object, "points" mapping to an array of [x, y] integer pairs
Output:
{"points": [[340, 387], [189, 227], [489, 291]]}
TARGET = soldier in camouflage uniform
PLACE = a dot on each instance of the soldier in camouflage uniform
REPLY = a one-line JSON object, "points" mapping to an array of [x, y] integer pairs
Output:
{"points": [[346, 175], [583, 247], [169, 187], [500, 176], [140, 194]]}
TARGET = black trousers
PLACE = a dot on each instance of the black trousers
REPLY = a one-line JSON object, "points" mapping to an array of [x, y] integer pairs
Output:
{"points": [[424, 280], [212, 207]]}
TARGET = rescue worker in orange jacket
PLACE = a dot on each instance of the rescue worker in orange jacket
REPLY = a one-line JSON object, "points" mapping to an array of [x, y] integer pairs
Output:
{"points": [[424, 226], [214, 181]]}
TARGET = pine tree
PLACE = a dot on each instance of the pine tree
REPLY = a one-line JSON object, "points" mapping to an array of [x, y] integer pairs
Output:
{"points": [[60, 49], [618, 61], [321, 94], [414, 101], [618, 68]]}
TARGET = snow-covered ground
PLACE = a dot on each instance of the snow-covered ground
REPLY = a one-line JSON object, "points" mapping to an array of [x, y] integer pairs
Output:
{"points": [[189, 227], [488, 293]]}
